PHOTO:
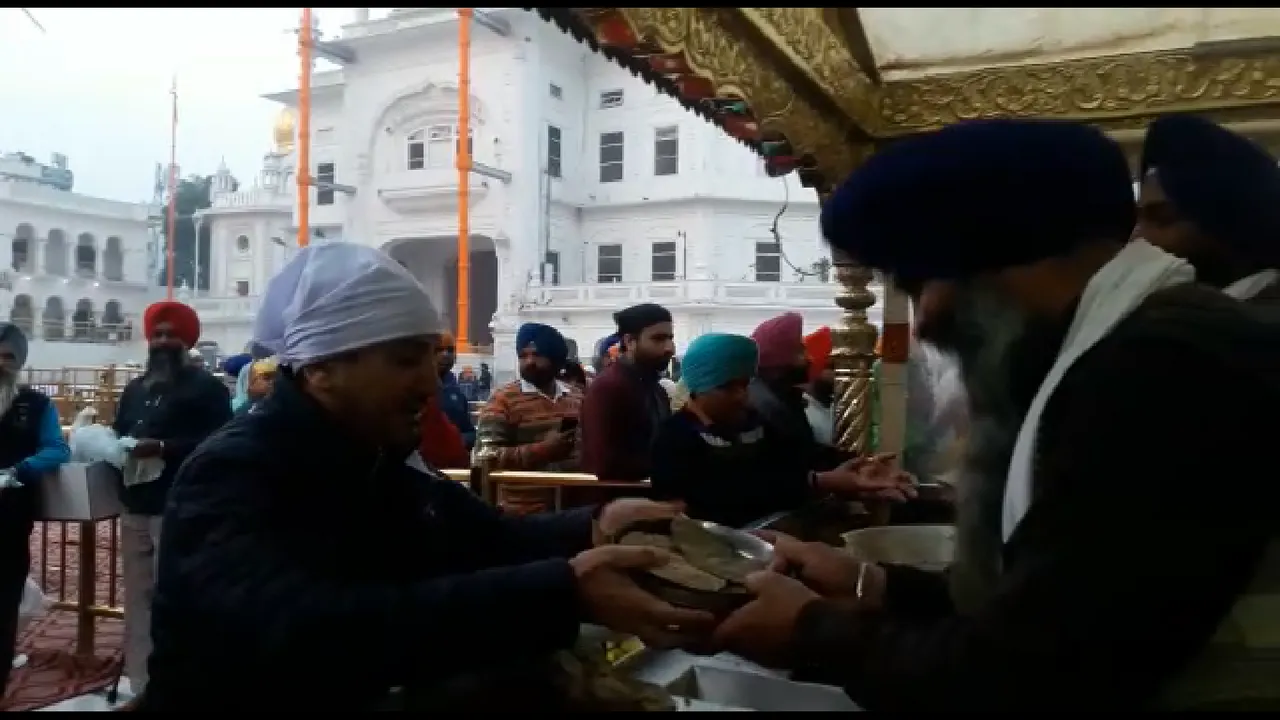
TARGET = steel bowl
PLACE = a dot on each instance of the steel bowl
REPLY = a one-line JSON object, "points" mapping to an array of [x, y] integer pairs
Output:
{"points": [[721, 602]]}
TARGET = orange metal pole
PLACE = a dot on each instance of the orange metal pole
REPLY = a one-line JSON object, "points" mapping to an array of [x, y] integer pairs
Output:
{"points": [[173, 195], [463, 153], [304, 130]]}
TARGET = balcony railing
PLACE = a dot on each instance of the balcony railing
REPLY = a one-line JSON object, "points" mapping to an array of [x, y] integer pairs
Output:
{"points": [[119, 330], [689, 292]]}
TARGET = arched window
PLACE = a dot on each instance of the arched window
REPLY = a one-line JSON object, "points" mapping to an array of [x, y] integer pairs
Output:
{"points": [[55, 253], [24, 238], [22, 314], [435, 146], [113, 259], [86, 255], [54, 319]]}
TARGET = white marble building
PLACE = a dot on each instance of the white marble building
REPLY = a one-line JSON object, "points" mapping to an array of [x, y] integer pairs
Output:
{"points": [[604, 192], [75, 271]]}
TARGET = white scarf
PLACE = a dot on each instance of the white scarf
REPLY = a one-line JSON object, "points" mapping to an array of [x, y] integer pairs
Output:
{"points": [[1245, 288], [1116, 290]]}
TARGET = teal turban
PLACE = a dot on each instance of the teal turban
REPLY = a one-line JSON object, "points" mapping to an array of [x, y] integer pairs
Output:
{"points": [[716, 359]]}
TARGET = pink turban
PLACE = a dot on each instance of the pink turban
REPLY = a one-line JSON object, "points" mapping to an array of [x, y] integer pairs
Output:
{"points": [[780, 340]]}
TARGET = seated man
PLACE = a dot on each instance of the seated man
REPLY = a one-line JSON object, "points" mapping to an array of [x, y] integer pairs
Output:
{"points": [[1090, 572], [530, 424], [716, 456], [312, 562]]}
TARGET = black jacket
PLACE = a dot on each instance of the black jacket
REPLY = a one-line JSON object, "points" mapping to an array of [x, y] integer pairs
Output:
{"points": [[302, 571], [182, 415], [1155, 496]]}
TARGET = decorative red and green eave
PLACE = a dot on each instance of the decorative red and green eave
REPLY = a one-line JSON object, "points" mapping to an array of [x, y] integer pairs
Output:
{"points": [[607, 32]]}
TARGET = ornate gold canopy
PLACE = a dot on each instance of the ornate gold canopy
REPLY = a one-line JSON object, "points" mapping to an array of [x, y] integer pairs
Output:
{"points": [[816, 87]]}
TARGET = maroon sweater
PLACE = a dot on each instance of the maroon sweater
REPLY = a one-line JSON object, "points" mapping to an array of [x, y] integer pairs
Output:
{"points": [[619, 421]]}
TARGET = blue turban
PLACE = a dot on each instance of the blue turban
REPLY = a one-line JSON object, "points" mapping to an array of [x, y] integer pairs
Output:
{"points": [[981, 196], [1224, 183], [13, 336], [546, 341], [716, 359], [232, 365]]}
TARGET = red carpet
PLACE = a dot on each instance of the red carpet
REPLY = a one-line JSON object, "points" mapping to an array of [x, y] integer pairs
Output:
{"points": [[53, 673]]}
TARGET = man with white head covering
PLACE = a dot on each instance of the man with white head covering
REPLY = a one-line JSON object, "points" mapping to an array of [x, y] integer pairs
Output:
{"points": [[31, 446], [313, 561]]}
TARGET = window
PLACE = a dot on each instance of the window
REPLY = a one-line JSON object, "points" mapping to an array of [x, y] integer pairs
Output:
{"points": [[609, 263], [610, 99], [556, 92], [242, 287], [666, 151], [324, 174], [664, 261], [551, 268], [242, 244], [553, 151], [768, 262], [435, 146], [611, 157]]}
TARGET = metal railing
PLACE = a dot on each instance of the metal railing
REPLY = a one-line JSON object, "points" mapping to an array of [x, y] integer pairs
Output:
{"points": [[77, 564], [119, 330]]}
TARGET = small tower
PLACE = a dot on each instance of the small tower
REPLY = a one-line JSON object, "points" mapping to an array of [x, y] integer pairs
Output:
{"points": [[222, 180]]}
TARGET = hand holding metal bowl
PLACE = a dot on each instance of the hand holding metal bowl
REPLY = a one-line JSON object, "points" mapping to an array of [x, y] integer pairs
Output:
{"points": [[709, 566]]}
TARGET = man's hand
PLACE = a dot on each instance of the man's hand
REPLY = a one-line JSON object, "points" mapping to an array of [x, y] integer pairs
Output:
{"points": [[617, 515], [873, 478], [612, 598], [831, 573], [147, 449], [560, 444], [761, 631]]}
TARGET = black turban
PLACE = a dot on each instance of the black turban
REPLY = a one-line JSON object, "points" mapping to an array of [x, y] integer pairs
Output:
{"points": [[633, 320], [981, 196], [1224, 183]]}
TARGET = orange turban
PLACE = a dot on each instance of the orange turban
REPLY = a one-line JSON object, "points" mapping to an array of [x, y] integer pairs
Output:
{"points": [[185, 322], [817, 345]]}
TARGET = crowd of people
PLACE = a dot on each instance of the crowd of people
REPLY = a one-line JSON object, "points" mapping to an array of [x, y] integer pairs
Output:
{"points": [[296, 547]]}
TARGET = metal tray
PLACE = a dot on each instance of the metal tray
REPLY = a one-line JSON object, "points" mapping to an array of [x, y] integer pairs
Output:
{"points": [[728, 688]]}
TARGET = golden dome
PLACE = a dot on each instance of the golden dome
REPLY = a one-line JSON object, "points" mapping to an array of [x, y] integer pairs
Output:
{"points": [[284, 130]]}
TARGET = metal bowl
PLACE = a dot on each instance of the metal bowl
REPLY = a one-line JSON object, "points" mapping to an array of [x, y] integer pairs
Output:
{"points": [[719, 603]]}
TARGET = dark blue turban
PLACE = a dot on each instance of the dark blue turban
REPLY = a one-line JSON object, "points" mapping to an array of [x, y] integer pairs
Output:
{"points": [[546, 341], [1224, 183], [981, 196], [234, 364]]}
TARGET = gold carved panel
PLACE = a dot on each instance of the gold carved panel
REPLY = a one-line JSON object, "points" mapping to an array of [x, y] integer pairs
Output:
{"points": [[1109, 90], [718, 44], [803, 36]]}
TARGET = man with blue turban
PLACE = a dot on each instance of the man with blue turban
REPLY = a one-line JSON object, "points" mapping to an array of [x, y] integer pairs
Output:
{"points": [[1088, 572], [1213, 197], [530, 424], [718, 457], [310, 533]]}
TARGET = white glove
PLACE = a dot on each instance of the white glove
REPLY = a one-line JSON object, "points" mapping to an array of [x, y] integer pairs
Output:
{"points": [[128, 443]]}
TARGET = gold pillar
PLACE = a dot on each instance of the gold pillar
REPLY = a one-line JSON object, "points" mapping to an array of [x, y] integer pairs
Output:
{"points": [[852, 355]]}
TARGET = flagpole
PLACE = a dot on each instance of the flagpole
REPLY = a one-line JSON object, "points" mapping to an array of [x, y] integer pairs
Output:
{"points": [[304, 130], [173, 193], [462, 152]]}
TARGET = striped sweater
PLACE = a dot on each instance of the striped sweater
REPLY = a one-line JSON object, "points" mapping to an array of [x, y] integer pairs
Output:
{"points": [[515, 424]]}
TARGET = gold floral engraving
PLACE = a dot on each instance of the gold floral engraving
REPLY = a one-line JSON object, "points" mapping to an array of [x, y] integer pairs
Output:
{"points": [[1094, 90]]}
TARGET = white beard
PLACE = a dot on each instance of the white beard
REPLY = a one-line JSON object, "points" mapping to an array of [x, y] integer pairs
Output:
{"points": [[987, 329], [8, 391]]}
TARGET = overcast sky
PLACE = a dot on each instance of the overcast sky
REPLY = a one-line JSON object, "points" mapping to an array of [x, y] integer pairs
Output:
{"points": [[95, 87]]}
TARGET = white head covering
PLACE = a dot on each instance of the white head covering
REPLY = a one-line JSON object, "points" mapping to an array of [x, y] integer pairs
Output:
{"points": [[336, 297]]}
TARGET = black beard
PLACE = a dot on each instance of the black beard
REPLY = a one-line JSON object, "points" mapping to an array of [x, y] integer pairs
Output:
{"points": [[165, 361], [537, 378], [823, 391]]}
